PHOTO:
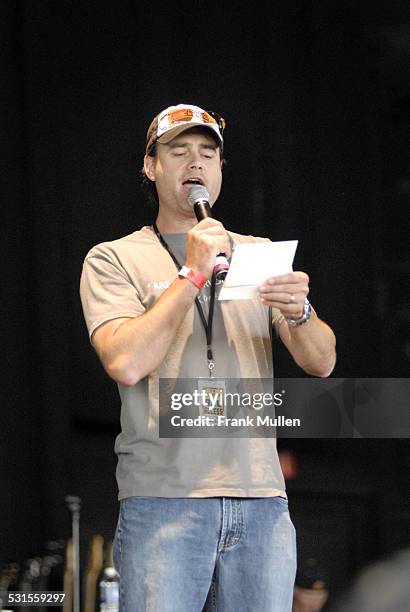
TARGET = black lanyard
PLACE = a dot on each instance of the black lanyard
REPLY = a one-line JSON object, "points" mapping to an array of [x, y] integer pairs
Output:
{"points": [[207, 325]]}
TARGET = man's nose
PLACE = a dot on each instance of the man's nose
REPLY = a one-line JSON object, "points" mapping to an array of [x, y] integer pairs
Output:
{"points": [[195, 160]]}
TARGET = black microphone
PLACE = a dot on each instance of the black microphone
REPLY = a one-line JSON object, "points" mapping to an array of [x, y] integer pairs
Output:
{"points": [[198, 198]]}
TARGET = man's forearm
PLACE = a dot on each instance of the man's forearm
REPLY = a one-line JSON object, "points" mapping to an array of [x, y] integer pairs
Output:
{"points": [[132, 348], [138, 346], [312, 345]]}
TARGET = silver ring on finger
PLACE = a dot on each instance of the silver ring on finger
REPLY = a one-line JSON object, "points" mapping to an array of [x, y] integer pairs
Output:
{"points": [[291, 298]]}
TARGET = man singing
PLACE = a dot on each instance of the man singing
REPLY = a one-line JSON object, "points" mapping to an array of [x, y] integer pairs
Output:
{"points": [[203, 522]]}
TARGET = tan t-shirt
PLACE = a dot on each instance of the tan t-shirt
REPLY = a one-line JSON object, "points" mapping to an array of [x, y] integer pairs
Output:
{"points": [[123, 278]]}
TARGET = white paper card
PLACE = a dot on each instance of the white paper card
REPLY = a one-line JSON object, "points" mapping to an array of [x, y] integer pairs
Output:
{"points": [[254, 263]]}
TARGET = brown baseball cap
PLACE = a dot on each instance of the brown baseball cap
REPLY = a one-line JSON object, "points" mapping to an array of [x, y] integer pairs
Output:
{"points": [[176, 119]]}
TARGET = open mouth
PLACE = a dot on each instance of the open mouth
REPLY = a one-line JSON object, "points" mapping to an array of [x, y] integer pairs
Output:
{"points": [[193, 181]]}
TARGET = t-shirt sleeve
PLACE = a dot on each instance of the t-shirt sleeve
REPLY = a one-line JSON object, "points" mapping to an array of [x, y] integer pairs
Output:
{"points": [[106, 290]]}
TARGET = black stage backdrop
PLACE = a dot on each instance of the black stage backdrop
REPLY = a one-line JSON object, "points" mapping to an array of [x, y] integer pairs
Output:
{"points": [[316, 99]]}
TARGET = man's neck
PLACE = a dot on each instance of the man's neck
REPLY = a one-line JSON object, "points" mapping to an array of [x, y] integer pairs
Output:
{"points": [[175, 224]]}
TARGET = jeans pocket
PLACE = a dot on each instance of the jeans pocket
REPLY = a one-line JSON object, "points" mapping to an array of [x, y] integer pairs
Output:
{"points": [[283, 500]]}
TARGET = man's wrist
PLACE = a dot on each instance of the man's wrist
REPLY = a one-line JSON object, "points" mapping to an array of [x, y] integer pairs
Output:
{"points": [[307, 311], [195, 277]]}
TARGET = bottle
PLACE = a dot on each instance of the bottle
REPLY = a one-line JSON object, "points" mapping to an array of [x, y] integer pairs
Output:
{"points": [[109, 591]]}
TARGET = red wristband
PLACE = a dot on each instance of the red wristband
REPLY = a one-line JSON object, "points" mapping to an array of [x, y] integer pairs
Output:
{"points": [[196, 278]]}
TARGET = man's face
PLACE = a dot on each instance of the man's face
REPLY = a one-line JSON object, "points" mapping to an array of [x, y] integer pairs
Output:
{"points": [[193, 155]]}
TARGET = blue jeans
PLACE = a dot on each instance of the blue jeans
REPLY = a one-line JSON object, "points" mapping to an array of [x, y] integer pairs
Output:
{"points": [[223, 554]]}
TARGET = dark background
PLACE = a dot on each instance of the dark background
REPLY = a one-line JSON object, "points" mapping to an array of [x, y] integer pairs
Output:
{"points": [[316, 96]]}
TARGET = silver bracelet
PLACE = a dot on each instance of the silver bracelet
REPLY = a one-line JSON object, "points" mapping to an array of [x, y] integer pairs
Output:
{"points": [[307, 311]]}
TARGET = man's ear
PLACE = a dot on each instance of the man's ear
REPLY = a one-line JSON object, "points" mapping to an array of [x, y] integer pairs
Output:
{"points": [[149, 167]]}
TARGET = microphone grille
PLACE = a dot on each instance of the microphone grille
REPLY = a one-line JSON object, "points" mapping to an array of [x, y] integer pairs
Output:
{"points": [[197, 193]]}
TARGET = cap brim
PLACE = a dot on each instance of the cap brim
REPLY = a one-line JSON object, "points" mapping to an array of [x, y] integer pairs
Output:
{"points": [[174, 132]]}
